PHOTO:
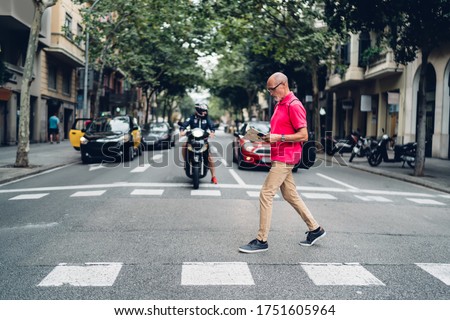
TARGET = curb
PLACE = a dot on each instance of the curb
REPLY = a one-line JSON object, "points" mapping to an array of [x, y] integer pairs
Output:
{"points": [[394, 175], [32, 171]]}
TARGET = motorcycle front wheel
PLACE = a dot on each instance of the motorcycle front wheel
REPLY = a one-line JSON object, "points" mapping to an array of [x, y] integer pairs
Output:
{"points": [[196, 175], [375, 159]]}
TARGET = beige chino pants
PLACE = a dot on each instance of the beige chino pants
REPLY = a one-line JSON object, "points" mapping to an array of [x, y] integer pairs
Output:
{"points": [[280, 177]]}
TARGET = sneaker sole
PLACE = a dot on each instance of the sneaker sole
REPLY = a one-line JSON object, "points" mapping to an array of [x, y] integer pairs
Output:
{"points": [[252, 251], [312, 243]]}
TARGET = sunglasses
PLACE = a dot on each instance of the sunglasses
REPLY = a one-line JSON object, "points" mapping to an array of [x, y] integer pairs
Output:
{"points": [[274, 88]]}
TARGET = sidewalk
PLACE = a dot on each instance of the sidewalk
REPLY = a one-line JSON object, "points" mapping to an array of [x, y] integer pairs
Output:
{"points": [[45, 156], [437, 171], [42, 157]]}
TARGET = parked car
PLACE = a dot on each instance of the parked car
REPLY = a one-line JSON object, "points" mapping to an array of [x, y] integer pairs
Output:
{"points": [[111, 139], [158, 135], [251, 154], [78, 129]]}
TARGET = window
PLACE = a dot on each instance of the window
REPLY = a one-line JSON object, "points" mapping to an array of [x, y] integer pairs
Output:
{"points": [[52, 77], [364, 44], [67, 82], [79, 34], [68, 26]]}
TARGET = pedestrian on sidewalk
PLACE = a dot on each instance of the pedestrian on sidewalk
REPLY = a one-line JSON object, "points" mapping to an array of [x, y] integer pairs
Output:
{"points": [[288, 129], [53, 127]]}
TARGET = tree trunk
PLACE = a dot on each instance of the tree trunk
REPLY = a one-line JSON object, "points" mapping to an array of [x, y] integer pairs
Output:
{"points": [[422, 114], [24, 124], [316, 114]]}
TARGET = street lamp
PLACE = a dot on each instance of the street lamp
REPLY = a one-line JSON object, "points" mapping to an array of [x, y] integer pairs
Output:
{"points": [[86, 66]]}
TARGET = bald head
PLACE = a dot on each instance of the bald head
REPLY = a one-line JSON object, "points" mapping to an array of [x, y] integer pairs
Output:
{"points": [[278, 86], [279, 77]]}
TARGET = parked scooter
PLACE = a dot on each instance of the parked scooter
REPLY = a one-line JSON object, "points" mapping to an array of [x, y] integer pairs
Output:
{"points": [[196, 164], [345, 145], [402, 153], [363, 148]]}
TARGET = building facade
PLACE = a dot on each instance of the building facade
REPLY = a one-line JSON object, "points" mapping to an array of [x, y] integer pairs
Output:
{"points": [[368, 91]]}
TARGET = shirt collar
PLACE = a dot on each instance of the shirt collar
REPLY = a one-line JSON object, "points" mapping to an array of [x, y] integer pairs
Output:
{"points": [[287, 98]]}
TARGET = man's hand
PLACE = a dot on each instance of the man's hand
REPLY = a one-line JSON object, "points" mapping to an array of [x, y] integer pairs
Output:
{"points": [[272, 137], [182, 133], [212, 134]]}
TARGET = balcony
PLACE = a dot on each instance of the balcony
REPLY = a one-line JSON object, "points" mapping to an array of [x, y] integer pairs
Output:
{"points": [[383, 66], [65, 50]]}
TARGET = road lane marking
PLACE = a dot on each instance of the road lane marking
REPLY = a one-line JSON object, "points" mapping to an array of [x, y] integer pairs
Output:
{"points": [[373, 198], [141, 168], [426, 201], [340, 274], [337, 181], [318, 196], [207, 185], [93, 274], [209, 193], [147, 192], [29, 196], [437, 270], [94, 167], [237, 177], [95, 193], [216, 274]]}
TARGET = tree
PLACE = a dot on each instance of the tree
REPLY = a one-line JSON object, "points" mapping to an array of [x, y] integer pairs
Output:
{"points": [[409, 27], [288, 32], [24, 124]]}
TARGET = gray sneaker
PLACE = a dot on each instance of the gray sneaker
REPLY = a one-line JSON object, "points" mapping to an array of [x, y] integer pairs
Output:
{"points": [[254, 246], [312, 237]]}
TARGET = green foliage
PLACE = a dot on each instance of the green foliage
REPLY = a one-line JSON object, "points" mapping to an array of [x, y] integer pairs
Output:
{"points": [[370, 55], [408, 26]]}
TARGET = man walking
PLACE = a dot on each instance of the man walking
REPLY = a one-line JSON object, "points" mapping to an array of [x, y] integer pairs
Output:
{"points": [[288, 129], [53, 127]]}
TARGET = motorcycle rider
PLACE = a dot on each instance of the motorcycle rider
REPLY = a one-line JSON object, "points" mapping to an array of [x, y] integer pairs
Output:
{"points": [[201, 120]]}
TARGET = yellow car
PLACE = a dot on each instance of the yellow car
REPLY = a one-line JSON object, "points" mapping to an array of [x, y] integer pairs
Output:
{"points": [[77, 131]]}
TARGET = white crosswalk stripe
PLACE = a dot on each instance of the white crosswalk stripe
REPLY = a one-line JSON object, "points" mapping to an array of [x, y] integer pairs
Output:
{"points": [[93, 274], [208, 193], [319, 196], [438, 270], [94, 193], [29, 196], [340, 274], [255, 194], [147, 192], [373, 198], [426, 201]]}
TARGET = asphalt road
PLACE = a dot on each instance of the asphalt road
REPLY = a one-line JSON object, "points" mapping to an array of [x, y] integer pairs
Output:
{"points": [[138, 231]]}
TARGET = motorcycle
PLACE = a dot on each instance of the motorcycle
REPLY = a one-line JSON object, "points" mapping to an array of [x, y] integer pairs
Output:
{"points": [[345, 145], [363, 148], [196, 164], [402, 153]]}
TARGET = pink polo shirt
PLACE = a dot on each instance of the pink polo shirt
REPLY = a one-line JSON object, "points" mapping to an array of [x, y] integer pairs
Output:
{"points": [[286, 121]]}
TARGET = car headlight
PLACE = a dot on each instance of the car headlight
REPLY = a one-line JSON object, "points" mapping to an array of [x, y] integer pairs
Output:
{"points": [[83, 140], [248, 146]]}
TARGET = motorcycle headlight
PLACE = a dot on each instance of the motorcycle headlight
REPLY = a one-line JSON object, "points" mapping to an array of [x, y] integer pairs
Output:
{"points": [[83, 140], [197, 133]]}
